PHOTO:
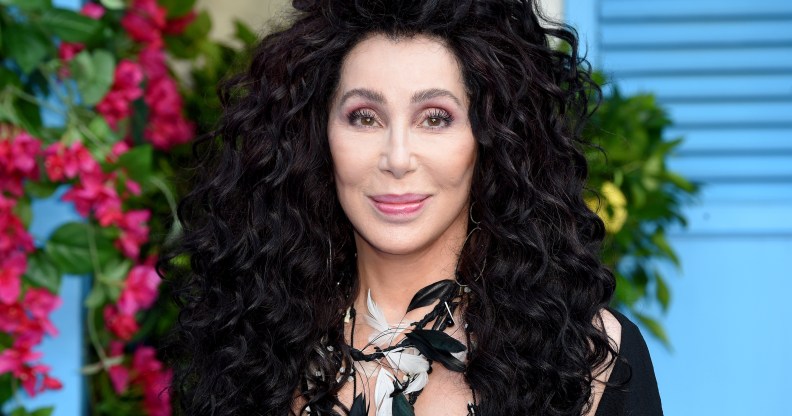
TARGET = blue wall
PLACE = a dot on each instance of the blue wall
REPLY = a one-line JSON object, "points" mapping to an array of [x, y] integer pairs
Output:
{"points": [[723, 69]]}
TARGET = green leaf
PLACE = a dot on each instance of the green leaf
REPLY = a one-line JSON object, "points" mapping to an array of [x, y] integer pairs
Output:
{"points": [[115, 270], [29, 5], [659, 240], [138, 162], [679, 181], [40, 189], [96, 297], [27, 46], [19, 411], [200, 27], [70, 249], [70, 26], [244, 33], [177, 8], [99, 127], [663, 293], [42, 272], [44, 411], [23, 211], [94, 74], [113, 4]]}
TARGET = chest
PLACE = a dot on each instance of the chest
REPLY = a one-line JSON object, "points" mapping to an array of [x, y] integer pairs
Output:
{"points": [[446, 393]]}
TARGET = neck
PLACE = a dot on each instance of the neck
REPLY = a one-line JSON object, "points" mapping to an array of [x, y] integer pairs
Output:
{"points": [[395, 278]]}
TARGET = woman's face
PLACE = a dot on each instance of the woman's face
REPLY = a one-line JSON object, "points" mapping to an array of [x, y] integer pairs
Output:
{"points": [[401, 143]]}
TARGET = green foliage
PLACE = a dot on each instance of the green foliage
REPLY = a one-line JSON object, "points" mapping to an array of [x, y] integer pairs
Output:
{"points": [[641, 199]]}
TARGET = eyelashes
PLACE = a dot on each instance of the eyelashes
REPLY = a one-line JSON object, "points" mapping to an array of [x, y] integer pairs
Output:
{"points": [[435, 118]]}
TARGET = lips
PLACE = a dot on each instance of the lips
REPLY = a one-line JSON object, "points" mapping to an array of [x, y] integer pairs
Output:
{"points": [[402, 206]]}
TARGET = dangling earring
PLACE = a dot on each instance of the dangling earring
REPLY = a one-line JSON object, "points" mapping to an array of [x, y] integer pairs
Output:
{"points": [[484, 265]]}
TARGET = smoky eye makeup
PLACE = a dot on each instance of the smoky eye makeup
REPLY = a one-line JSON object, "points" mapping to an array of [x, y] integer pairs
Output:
{"points": [[362, 117], [436, 118]]}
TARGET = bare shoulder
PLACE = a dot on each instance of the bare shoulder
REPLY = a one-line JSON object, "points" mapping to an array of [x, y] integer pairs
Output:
{"points": [[613, 329]]}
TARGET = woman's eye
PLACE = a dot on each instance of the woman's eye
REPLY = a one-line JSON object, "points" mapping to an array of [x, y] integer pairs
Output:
{"points": [[437, 119], [363, 118]]}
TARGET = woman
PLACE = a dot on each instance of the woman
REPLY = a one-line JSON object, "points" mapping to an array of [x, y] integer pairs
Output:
{"points": [[391, 221]]}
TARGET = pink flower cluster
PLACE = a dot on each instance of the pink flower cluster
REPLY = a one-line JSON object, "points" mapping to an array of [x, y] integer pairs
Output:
{"points": [[145, 22], [18, 156], [147, 373], [96, 192], [17, 160], [167, 126], [26, 321], [139, 292], [117, 104]]}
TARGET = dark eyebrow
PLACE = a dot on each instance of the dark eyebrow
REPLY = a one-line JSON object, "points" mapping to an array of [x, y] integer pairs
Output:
{"points": [[425, 95], [418, 97], [365, 93]]}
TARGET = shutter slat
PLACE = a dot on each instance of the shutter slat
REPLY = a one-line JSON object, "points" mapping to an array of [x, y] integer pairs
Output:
{"points": [[711, 87], [744, 61], [734, 168], [681, 10], [733, 141], [691, 34]]}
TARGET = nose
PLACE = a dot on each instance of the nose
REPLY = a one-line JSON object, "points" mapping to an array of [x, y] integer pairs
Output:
{"points": [[397, 155]]}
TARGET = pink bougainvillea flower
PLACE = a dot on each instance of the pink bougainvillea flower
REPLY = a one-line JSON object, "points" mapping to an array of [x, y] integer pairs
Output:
{"points": [[14, 359], [11, 317], [119, 377], [153, 62], [31, 332], [67, 50], [118, 149], [30, 375], [134, 232], [155, 380], [145, 21], [96, 192], [122, 326], [156, 395], [25, 149], [140, 289], [11, 270], [115, 106], [133, 187], [40, 303], [51, 383], [177, 25], [18, 161], [13, 235], [63, 162], [93, 10]]}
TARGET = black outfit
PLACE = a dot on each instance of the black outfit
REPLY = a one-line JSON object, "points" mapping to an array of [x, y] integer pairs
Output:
{"points": [[636, 391]]}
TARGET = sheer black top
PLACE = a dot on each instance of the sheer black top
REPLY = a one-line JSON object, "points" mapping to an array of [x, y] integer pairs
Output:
{"points": [[638, 395]]}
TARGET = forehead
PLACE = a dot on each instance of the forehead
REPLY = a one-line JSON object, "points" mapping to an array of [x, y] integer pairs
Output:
{"points": [[402, 65]]}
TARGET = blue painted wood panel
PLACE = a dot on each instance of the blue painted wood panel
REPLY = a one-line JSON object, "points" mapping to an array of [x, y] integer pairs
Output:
{"points": [[723, 70]]}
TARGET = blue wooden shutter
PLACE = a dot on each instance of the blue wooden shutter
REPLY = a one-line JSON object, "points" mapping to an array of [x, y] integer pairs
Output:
{"points": [[723, 69]]}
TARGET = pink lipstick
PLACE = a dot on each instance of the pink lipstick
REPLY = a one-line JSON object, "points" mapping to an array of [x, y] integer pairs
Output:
{"points": [[402, 206]]}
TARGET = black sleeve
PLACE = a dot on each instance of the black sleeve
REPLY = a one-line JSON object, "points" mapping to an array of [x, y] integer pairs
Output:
{"points": [[635, 391]]}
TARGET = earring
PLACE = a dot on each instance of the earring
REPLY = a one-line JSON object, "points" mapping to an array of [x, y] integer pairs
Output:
{"points": [[484, 265]]}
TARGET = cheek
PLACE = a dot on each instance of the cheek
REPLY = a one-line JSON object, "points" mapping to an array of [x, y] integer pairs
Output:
{"points": [[350, 163], [456, 165]]}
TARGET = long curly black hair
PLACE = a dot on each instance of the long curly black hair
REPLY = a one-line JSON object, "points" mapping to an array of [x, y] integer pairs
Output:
{"points": [[264, 288]]}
